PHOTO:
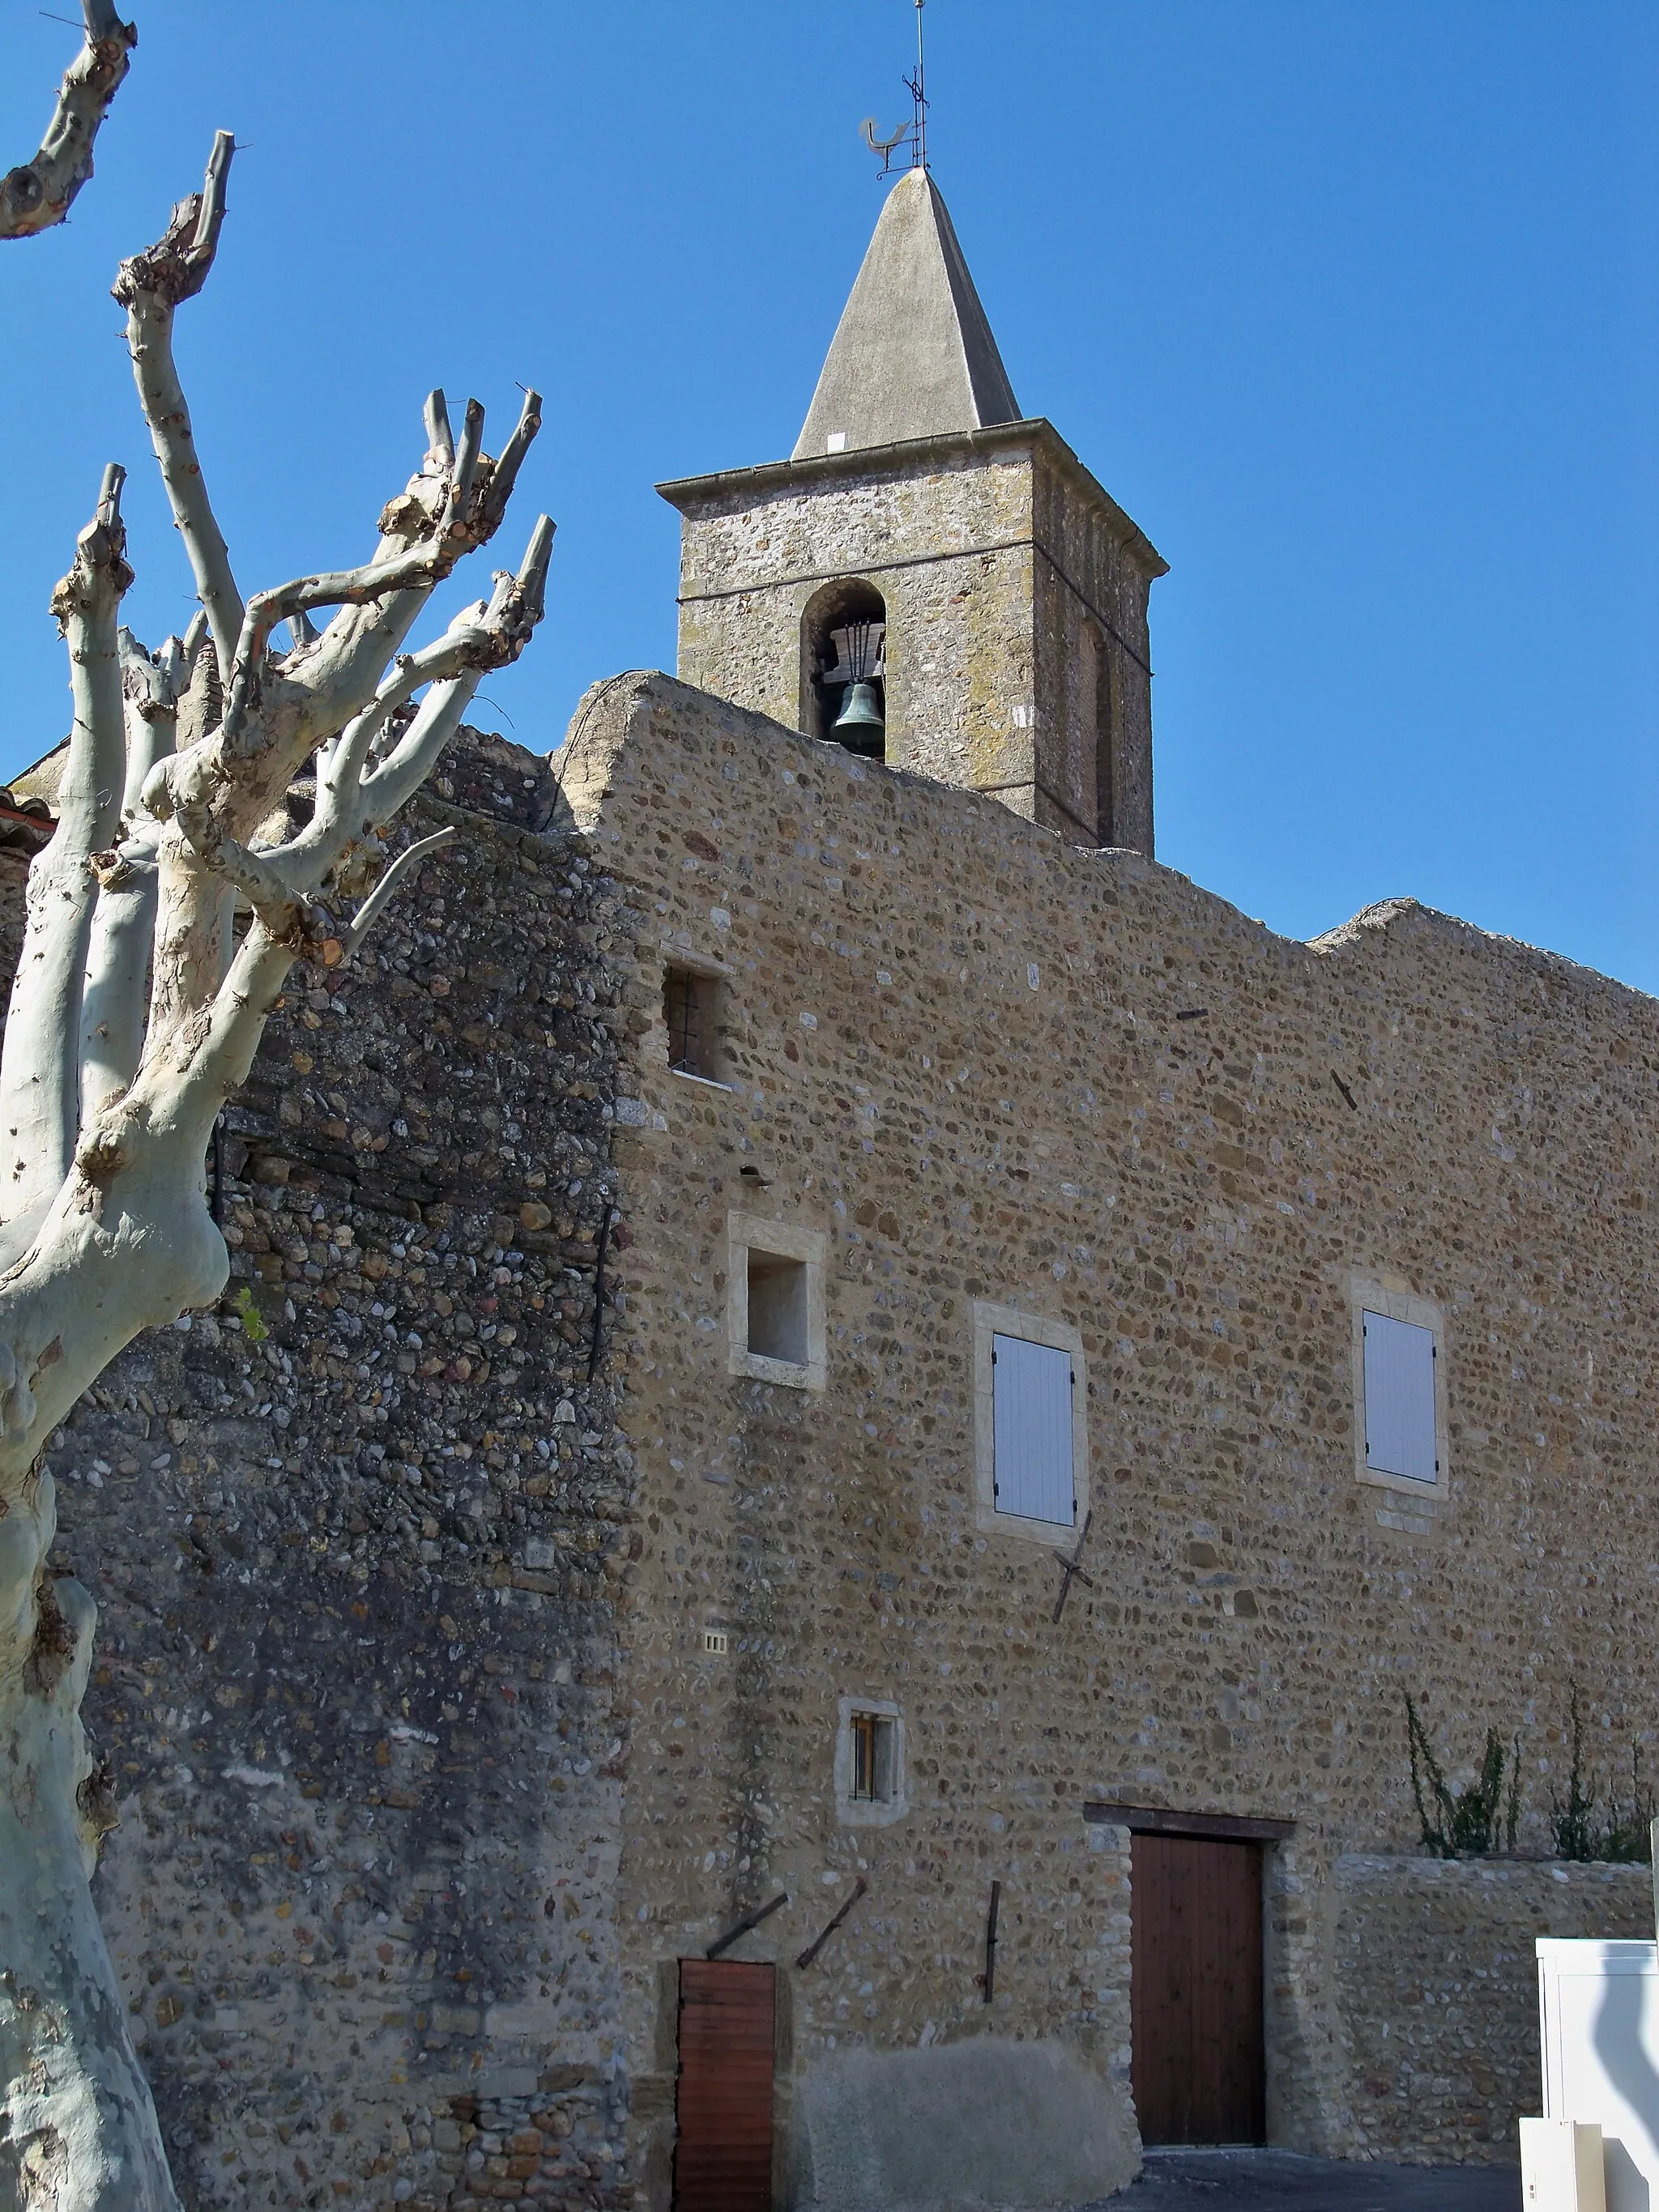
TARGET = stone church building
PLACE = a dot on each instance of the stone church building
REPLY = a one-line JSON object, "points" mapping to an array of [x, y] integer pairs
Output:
{"points": [[845, 1410]]}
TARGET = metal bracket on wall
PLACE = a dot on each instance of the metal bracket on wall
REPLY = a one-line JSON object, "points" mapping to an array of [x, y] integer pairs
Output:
{"points": [[988, 1980], [604, 1241], [813, 1949], [1073, 1566], [742, 1927]]}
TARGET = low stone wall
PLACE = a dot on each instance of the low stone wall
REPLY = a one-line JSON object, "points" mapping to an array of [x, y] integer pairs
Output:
{"points": [[1439, 1992]]}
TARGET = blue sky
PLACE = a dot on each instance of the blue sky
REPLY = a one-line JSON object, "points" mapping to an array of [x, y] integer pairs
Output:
{"points": [[1354, 308]]}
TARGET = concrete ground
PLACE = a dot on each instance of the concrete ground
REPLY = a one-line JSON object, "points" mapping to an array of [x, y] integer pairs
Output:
{"points": [[1282, 2181]]}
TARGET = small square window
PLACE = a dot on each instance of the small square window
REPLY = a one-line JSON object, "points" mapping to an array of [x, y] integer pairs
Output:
{"points": [[774, 1302], [777, 1307], [691, 1012], [869, 1763]]}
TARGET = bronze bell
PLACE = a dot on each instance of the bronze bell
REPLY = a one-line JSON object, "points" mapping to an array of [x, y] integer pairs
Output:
{"points": [[860, 725]]}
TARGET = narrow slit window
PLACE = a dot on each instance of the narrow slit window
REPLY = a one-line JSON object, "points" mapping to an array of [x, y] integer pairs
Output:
{"points": [[686, 1010], [872, 1740]]}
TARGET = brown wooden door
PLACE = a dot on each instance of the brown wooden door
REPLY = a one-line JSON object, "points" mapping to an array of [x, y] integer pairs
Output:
{"points": [[1195, 1991], [723, 2151]]}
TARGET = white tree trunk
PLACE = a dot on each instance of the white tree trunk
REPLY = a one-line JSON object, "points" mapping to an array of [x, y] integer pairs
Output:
{"points": [[135, 1014], [79, 2128]]}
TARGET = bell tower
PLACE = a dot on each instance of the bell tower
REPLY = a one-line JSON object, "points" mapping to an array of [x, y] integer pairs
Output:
{"points": [[932, 577]]}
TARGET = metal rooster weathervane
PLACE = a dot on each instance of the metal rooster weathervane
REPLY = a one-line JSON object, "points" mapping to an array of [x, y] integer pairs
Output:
{"points": [[914, 132]]}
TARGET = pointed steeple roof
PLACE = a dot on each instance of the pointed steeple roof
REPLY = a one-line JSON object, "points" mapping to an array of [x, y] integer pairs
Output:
{"points": [[913, 355]]}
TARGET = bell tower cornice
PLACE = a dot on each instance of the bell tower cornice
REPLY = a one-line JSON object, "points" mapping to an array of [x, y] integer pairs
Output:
{"points": [[731, 490]]}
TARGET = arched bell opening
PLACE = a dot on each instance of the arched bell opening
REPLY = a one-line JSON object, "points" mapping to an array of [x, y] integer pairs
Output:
{"points": [[844, 667]]}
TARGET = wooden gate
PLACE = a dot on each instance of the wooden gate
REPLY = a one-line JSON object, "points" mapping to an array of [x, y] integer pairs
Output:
{"points": [[723, 2105], [1195, 1989]]}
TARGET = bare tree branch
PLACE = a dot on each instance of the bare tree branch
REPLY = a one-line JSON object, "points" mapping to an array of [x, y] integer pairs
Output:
{"points": [[455, 504], [483, 638], [36, 196], [150, 287], [123, 923], [39, 1062], [383, 893]]}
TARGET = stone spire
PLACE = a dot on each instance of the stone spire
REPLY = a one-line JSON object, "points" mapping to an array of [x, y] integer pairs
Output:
{"points": [[913, 355]]}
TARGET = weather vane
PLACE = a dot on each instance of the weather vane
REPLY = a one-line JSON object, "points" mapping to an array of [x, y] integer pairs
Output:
{"points": [[914, 132]]}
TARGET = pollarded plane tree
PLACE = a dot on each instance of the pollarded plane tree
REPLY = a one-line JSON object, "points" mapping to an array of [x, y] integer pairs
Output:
{"points": [[37, 193], [163, 921]]}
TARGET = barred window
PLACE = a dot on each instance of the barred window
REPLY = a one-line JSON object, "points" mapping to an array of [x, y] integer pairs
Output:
{"points": [[686, 1012], [873, 1757]]}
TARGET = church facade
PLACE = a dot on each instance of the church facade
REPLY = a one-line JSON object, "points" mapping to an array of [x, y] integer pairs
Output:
{"points": [[846, 1412]]}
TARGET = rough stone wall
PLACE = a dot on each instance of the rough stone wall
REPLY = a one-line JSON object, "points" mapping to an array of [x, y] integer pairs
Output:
{"points": [[356, 1539], [987, 1066], [1439, 1992]]}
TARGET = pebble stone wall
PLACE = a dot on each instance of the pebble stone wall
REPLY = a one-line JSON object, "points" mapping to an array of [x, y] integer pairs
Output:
{"points": [[355, 1537], [1439, 1992]]}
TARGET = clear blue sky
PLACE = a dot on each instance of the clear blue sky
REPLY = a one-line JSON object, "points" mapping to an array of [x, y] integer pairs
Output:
{"points": [[1353, 308]]}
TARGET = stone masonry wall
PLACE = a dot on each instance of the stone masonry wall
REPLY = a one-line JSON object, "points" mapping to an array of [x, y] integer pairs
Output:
{"points": [[986, 1066], [1439, 1991], [356, 1539]]}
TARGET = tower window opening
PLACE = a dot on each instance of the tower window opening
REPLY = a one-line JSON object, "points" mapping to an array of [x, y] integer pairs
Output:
{"points": [[683, 1005], [844, 640], [693, 1007]]}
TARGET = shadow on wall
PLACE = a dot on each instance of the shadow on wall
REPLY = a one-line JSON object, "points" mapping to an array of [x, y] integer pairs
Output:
{"points": [[1628, 2070], [959, 2127]]}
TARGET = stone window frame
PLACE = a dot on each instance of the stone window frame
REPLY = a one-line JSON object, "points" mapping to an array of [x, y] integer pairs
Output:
{"points": [[778, 1240], [869, 1811], [1390, 1295], [990, 1321], [718, 972]]}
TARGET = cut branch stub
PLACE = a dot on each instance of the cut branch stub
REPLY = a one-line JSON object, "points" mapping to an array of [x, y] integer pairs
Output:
{"points": [[38, 194], [176, 267], [99, 554]]}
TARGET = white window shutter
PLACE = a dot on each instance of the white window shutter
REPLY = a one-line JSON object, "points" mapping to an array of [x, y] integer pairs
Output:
{"points": [[1031, 1405], [1400, 1428]]}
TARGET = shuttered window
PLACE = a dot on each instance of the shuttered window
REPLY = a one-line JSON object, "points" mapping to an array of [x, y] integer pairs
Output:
{"points": [[1032, 1413], [1399, 1426]]}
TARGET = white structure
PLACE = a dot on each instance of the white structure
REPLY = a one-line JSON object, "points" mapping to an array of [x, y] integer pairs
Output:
{"points": [[1599, 2012], [1563, 2166]]}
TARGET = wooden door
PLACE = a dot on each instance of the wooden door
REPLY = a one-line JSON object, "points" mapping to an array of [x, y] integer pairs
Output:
{"points": [[723, 2105], [1195, 1991]]}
